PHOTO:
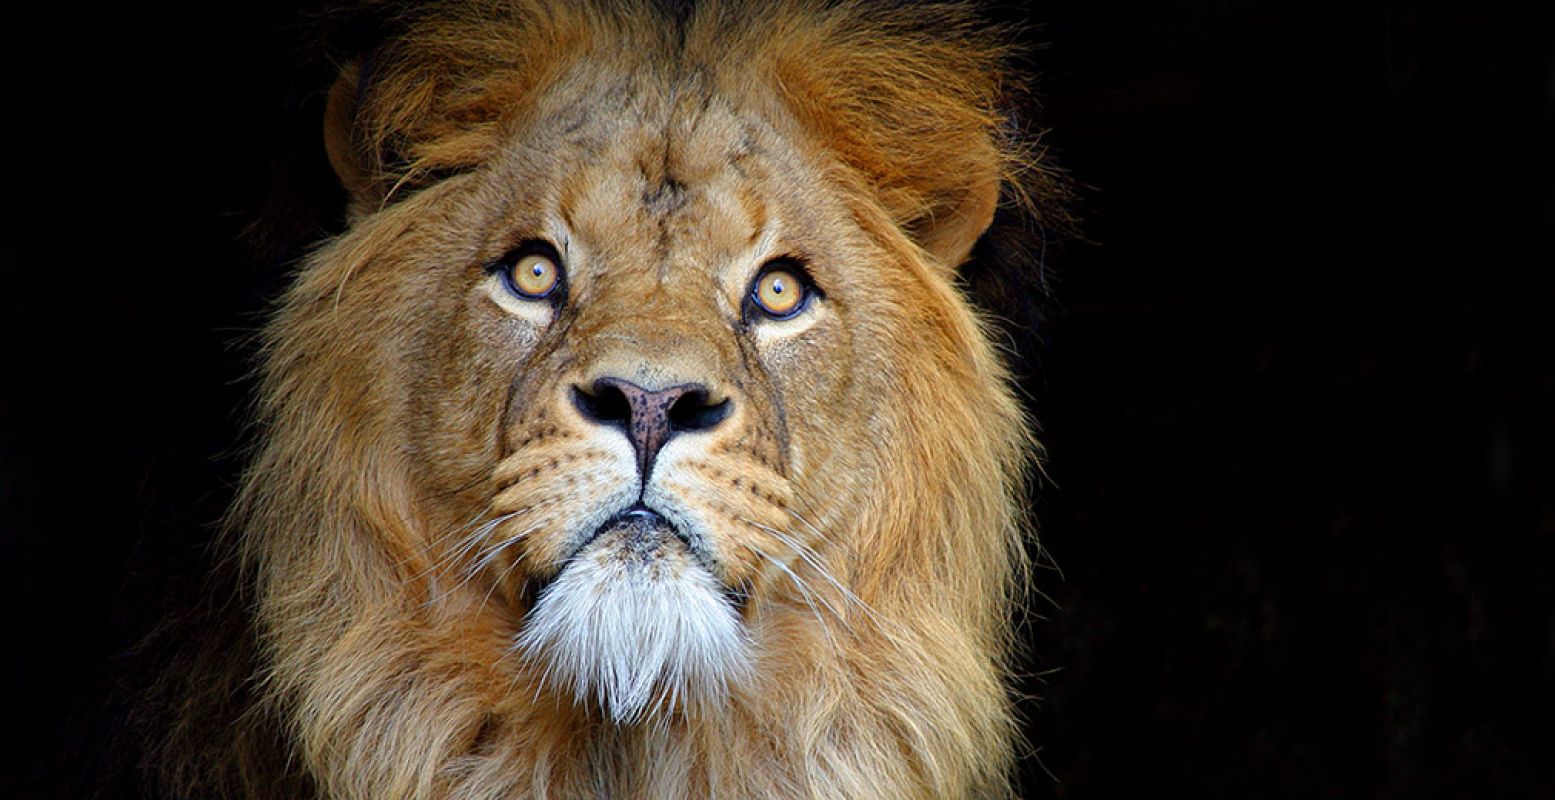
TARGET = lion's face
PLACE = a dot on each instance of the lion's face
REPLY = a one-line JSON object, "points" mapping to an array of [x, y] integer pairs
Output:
{"points": [[639, 386], [647, 333]]}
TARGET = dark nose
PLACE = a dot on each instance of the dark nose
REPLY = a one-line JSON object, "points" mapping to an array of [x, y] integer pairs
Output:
{"points": [[649, 418]]}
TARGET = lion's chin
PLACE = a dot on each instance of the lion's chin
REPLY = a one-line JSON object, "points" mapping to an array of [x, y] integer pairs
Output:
{"points": [[636, 624]]}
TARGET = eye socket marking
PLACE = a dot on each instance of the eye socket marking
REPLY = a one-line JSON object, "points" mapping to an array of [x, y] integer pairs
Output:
{"points": [[532, 271], [782, 289]]}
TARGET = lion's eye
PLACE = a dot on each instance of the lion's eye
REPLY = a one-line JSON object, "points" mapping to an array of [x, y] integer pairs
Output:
{"points": [[779, 292], [535, 276], [532, 271]]}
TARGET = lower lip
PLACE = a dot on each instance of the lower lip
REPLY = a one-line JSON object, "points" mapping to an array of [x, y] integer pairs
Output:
{"points": [[636, 522]]}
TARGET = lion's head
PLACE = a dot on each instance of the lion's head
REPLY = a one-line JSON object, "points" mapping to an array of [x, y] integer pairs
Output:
{"points": [[635, 438]]}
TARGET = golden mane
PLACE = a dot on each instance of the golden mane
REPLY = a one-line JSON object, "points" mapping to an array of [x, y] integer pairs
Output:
{"points": [[381, 681]]}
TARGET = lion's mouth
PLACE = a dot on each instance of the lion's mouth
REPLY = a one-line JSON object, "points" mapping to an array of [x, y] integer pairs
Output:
{"points": [[637, 536]]}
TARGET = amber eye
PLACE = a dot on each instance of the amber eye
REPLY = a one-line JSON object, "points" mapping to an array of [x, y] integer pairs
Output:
{"points": [[533, 273], [780, 293]]}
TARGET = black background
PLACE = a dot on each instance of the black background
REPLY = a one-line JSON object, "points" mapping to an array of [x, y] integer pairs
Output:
{"points": [[1297, 390]]}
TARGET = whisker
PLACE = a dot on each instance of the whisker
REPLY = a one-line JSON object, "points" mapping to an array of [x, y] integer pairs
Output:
{"points": [[439, 539], [810, 557], [809, 593], [805, 592], [501, 579], [833, 609], [814, 531], [493, 552], [473, 541], [464, 547]]}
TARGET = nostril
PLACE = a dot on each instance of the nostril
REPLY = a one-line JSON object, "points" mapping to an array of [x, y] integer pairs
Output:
{"points": [[605, 403], [648, 417], [693, 412]]}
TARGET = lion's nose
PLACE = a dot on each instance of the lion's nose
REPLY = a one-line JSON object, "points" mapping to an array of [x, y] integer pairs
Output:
{"points": [[650, 418]]}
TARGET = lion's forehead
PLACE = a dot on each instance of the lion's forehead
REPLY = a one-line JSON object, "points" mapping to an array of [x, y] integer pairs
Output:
{"points": [[687, 176]]}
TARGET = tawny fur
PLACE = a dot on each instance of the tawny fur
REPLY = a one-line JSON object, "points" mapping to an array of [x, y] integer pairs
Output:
{"points": [[886, 443]]}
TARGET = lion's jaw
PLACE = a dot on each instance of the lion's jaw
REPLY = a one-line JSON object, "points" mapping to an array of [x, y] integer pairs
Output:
{"points": [[632, 619]]}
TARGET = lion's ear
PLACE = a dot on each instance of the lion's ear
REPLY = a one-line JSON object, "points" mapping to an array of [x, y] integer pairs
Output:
{"points": [[915, 105], [341, 142], [949, 231], [405, 119]]}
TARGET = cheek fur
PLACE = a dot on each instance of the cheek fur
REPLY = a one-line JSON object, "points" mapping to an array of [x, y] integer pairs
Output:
{"points": [[812, 384]]}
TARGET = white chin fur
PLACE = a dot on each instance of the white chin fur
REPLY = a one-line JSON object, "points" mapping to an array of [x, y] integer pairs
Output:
{"points": [[639, 633]]}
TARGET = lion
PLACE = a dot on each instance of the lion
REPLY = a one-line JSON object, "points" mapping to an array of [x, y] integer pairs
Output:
{"points": [[637, 438]]}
